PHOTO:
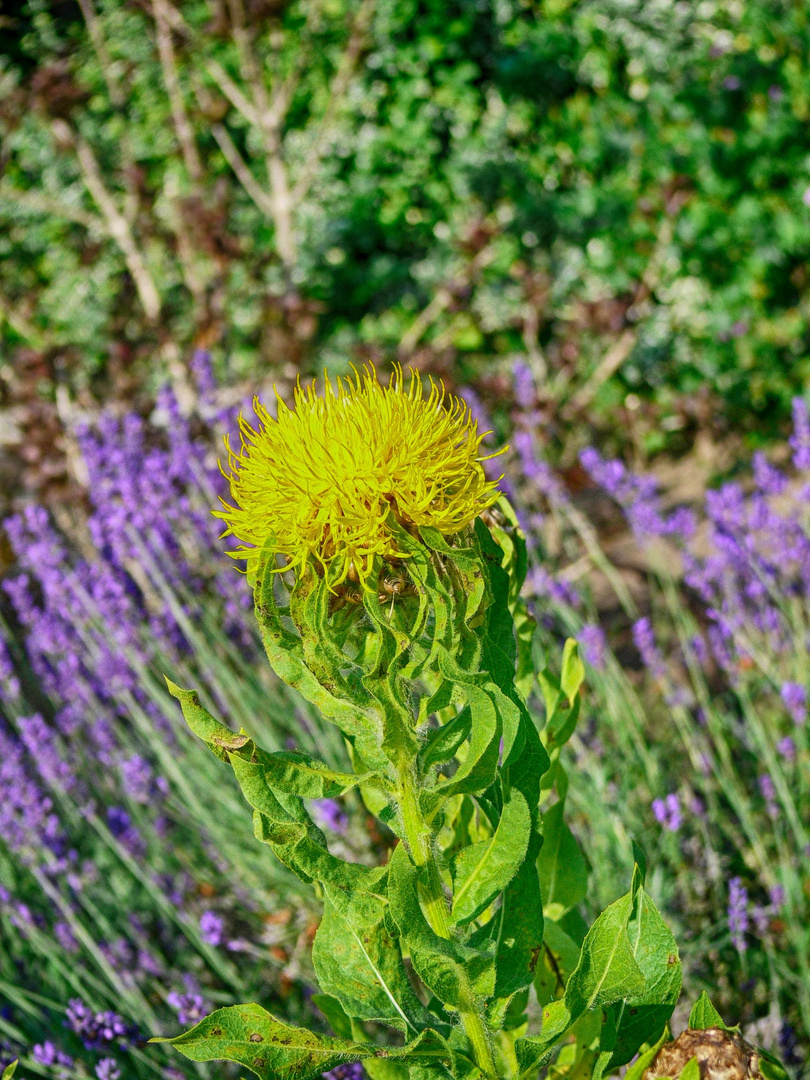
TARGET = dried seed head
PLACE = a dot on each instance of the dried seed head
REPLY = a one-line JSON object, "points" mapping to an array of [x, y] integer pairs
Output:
{"points": [[721, 1055]]}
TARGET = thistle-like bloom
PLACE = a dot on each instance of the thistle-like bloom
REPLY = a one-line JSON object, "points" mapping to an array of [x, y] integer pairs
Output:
{"points": [[329, 478]]}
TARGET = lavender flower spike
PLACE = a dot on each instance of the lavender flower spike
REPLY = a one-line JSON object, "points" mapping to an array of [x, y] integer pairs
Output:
{"points": [[794, 696], [212, 928], [737, 913]]}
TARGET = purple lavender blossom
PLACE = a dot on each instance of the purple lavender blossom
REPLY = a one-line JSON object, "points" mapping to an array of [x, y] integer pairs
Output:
{"points": [[351, 1071], [794, 696], [644, 640], [800, 439], [769, 479], [539, 582], [203, 372], [140, 782], [737, 913], [592, 639], [190, 1007], [107, 1069], [638, 497], [667, 812], [97, 1029], [523, 384], [331, 815], [48, 1054], [64, 935], [9, 683], [212, 928], [786, 748], [767, 790]]}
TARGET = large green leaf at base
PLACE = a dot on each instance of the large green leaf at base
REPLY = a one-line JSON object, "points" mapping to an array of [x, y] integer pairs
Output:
{"points": [[607, 972], [273, 1050]]}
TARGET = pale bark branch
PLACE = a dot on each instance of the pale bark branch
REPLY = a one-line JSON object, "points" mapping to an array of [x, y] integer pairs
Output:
{"points": [[270, 127], [242, 171], [116, 224], [39, 203], [182, 124]]}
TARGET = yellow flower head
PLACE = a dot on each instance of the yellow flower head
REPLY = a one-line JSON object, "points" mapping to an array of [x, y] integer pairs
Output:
{"points": [[328, 477]]}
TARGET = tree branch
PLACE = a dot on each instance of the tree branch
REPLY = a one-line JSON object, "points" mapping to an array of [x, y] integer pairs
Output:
{"points": [[182, 124], [117, 225]]}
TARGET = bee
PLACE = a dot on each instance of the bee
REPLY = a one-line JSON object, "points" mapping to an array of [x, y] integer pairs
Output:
{"points": [[395, 585]]}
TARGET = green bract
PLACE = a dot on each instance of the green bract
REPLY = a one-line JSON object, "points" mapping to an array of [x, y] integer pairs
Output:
{"points": [[480, 895]]}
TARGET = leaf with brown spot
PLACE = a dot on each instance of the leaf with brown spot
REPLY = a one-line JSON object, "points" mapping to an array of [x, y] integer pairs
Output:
{"points": [[289, 1053]]}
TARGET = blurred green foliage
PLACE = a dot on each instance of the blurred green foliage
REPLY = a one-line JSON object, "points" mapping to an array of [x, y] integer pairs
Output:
{"points": [[618, 190]]}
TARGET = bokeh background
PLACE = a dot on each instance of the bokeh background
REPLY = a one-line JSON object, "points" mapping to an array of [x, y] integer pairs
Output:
{"points": [[592, 220]]}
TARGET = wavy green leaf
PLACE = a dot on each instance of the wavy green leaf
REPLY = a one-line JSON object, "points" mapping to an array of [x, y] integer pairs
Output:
{"points": [[483, 870]]}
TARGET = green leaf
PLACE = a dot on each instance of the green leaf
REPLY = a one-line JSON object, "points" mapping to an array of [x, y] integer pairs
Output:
{"points": [[641, 1017], [499, 646], [344, 703], [442, 743], [271, 1049], [478, 770], [640, 860], [9, 1070], [333, 1011], [639, 1066], [704, 1015], [771, 1069], [691, 1070], [558, 960], [203, 724], [606, 973], [561, 865], [518, 931], [483, 870], [607, 970], [357, 962], [572, 675], [450, 970], [607, 1044]]}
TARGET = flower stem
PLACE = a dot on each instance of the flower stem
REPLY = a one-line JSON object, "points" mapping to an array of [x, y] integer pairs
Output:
{"points": [[419, 841]]}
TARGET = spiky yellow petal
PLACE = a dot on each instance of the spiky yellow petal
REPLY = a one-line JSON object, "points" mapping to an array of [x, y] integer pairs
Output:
{"points": [[326, 478]]}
